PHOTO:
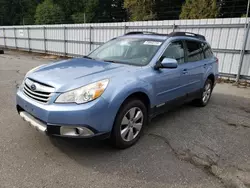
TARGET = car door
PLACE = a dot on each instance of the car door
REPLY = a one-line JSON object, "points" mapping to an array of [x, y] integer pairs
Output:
{"points": [[209, 57], [167, 82], [194, 67]]}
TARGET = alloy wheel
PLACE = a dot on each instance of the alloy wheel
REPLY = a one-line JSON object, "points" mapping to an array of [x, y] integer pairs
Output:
{"points": [[131, 124], [207, 92]]}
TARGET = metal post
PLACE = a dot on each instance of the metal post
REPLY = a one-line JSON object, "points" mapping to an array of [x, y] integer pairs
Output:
{"points": [[28, 35], [90, 38], [174, 26], [4, 37], [45, 40], [248, 4], [242, 54], [65, 41], [15, 38], [125, 29]]}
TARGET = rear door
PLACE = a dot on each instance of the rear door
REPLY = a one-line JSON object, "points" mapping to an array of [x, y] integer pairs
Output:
{"points": [[194, 66]]}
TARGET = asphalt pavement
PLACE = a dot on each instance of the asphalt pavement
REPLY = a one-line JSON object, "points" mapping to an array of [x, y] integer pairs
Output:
{"points": [[186, 147]]}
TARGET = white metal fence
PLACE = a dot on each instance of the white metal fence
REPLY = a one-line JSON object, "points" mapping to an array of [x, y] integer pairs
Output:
{"points": [[226, 37]]}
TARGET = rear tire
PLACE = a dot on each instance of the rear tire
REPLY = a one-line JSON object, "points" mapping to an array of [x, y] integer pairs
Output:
{"points": [[129, 123], [205, 94], [1, 51]]}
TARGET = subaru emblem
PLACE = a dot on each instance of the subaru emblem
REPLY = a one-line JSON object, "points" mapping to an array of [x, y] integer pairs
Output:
{"points": [[33, 87]]}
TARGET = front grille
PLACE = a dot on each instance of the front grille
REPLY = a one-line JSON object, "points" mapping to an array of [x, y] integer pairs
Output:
{"points": [[37, 91]]}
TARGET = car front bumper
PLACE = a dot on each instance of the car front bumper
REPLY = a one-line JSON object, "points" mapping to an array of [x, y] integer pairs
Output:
{"points": [[66, 120]]}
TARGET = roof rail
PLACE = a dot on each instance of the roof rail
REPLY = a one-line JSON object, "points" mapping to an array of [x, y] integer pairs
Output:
{"points": [[187, 34], [173, 34], [141, 32]]}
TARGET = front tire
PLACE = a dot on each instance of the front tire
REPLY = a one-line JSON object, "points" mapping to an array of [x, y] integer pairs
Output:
{"points": [[205, 95], [129, 123]]}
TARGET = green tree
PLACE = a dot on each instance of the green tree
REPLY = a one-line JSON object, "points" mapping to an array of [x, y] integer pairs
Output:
{"points": [[168, 9], [5, 18], [13, 12], [89, 13], [28, 12], [140, 9], [231, 9], [111, 11], [199, 9], [72, 9], [49, 13], [91, 10], [79, 17]]}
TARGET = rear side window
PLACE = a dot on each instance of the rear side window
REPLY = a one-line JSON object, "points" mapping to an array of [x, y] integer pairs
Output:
{"points": [[194, 51], [207, 51]]}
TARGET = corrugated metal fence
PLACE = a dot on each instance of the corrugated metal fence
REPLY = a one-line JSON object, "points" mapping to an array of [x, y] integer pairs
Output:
{"points": [[226, 37]]}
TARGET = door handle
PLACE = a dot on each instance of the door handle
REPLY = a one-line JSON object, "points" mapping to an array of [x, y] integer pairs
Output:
{"points": [[185, 71]]}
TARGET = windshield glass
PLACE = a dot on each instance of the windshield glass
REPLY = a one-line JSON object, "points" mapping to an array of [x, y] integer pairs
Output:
{"points": [[131, 51]]}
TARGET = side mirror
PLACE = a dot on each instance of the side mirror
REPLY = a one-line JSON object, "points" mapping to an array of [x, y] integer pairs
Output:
{"points": [[167, 63]]}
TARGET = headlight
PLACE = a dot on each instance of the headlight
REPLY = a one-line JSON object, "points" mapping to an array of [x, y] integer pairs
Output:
{"points": [[84, 94], [33, 70]]}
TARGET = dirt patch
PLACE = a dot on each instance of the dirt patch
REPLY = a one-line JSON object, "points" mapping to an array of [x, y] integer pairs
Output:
{"points": [[200, 158], [51, 57], [232, 176], [241, 84], [207, 160], [233, 121], [247, 110]]}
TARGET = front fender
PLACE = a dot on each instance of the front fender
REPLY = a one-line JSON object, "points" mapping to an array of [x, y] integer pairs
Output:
{"points": [[117, 93]]}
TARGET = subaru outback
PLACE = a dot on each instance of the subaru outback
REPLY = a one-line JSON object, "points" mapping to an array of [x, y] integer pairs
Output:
{"points": [[115, 90]]}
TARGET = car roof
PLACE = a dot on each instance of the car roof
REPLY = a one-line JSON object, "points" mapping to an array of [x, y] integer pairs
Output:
{"points": [[157, 36]]}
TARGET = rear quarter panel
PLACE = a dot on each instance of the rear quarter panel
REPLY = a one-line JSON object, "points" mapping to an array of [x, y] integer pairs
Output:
{"points": [[212, 69]]}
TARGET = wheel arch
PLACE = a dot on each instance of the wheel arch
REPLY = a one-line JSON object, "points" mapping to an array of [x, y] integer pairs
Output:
{"points": [[139, 94], [212, 78], [142, 96]]}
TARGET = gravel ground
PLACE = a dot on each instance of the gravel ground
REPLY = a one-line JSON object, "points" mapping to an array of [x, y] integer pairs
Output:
{"points": [[187, 147]]}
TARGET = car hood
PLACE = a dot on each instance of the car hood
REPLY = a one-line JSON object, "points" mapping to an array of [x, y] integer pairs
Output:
{"points": [[70, 74]]}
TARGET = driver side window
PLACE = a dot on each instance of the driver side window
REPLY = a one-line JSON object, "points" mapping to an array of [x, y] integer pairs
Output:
{"points": [[175, 51]]}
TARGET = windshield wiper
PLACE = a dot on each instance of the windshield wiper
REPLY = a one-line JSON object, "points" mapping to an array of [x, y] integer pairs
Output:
{"points": [[111, 61], [87, 57]]}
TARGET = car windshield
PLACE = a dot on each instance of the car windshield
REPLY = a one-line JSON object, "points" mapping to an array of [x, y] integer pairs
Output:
{"points": [[133, 51]]}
